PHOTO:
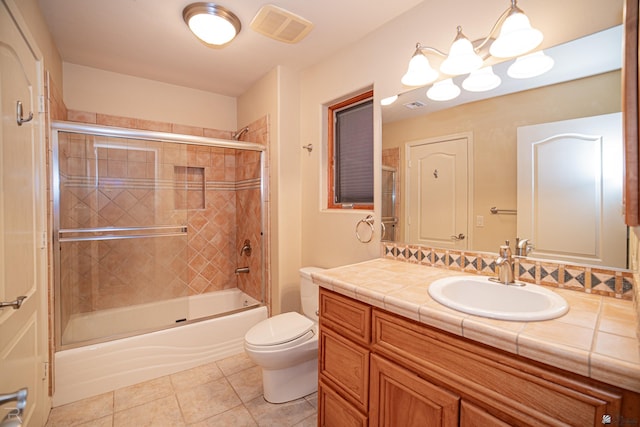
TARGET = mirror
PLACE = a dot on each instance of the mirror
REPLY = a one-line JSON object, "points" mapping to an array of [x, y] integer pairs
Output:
{"points": [[578, 86]]}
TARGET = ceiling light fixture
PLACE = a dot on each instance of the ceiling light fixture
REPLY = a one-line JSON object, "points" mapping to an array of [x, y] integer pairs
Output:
{"points": [[516, 38], [211, 23]]}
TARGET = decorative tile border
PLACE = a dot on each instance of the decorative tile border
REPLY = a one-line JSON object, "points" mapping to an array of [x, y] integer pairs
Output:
{"points": [[601, 281]]}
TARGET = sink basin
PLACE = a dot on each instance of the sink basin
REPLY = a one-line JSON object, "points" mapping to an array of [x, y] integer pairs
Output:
{"points": [[483, 297]]}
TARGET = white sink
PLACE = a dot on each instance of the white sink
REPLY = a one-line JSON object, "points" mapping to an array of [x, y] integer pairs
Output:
{"points": [[486, 298]]}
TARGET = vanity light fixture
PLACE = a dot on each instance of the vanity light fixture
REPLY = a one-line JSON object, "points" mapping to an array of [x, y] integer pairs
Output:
{"points": [[531, 65], [516, 37], [443, 90], [481, 80], [211, 23], [389, 100], [462, 58]]}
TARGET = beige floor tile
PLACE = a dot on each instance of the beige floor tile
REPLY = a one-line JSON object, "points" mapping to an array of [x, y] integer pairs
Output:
{"points": [[160, 412], [100, 422], [206, 400], [282, 415], [196, 376], [236, 417], [313, 399], [82, 411], [205, 396], [142, 393], [311, 421], [234, 364], [247, 383]]}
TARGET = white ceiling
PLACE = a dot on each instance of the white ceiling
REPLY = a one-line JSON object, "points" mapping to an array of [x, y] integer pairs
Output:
{"points": [[149, 39]]}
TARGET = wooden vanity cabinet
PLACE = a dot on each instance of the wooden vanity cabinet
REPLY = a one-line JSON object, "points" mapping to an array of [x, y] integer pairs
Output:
{"points": [[343, 361], [397, 372]]}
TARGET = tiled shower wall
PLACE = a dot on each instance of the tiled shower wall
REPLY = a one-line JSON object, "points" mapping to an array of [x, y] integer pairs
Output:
{"points": [[214, 191]]}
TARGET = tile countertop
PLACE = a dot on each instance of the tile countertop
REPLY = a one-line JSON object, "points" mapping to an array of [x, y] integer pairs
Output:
{"points": [[596, 338]]}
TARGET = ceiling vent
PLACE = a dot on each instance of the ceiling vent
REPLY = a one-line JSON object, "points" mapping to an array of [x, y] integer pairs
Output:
{"points": [[414, 105], [280, 24]]}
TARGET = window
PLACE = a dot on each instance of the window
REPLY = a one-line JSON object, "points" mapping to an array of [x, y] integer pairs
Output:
{"points": [[351, 153]]}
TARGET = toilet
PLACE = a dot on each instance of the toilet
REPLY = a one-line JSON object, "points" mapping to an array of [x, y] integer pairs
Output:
{"points": [[285, 346]]}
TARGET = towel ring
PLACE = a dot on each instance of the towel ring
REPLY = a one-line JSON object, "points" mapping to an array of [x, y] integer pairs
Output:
{"points": [[369, 221]]}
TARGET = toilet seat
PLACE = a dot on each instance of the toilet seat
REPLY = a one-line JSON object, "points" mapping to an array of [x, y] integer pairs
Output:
{"points": [[280, 331]]}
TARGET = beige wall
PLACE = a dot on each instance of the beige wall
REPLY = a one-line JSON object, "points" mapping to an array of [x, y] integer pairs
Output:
{"points": [[276, 94], [91, 89], [493, 124], [34, 20]]}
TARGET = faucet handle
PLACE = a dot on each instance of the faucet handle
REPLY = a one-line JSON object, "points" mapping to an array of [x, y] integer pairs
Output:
{"points": [[505, 250]]}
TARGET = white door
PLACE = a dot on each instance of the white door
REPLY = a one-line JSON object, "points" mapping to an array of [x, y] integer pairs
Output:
{"points": [[23, 333], [437, 192], [570, 190]]}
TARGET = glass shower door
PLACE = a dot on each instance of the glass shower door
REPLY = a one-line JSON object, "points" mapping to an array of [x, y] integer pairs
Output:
{"points": [[122, 240]]}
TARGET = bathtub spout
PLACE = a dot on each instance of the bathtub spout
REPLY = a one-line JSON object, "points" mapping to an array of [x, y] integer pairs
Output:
{"points": [[244, 270]]}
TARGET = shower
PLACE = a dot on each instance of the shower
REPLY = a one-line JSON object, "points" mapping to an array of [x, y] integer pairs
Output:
{"points": [[236, 136], [144, 222]]}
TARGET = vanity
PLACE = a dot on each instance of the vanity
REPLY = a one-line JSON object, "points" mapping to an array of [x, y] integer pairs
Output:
{"points": [[390, 355]]}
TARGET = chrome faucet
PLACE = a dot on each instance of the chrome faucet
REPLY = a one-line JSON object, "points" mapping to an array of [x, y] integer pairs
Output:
{"points": [[504, 264], [523, 247], [246, 248]]}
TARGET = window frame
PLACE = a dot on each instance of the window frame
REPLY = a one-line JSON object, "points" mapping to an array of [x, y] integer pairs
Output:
{"points": [[331, 151]]}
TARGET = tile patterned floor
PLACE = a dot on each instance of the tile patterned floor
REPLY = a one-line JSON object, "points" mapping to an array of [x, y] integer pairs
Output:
{"points": [[223, 393]]}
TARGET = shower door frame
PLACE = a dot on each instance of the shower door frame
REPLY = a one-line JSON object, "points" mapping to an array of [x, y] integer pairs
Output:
{"points": [[117, 132]]}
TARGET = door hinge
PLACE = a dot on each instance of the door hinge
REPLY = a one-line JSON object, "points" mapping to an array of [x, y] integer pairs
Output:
{"points": [[41, 104]]}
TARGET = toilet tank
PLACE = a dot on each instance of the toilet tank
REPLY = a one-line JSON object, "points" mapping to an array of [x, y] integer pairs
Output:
{"points": [[309, 293]]}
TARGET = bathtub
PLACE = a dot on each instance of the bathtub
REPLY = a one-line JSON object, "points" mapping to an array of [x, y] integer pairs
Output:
{"points": [[98, 368]]}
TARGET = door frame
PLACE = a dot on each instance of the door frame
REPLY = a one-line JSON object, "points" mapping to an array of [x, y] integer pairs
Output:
{"points": [[39, 123], [470, 179]]}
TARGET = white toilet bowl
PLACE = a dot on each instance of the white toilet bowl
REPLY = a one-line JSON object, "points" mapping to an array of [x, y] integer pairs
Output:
{"points": [[286, 347]]}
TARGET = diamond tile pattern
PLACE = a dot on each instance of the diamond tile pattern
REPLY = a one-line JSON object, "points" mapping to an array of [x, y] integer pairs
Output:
{"points": [[115, 182], [614, 282]]}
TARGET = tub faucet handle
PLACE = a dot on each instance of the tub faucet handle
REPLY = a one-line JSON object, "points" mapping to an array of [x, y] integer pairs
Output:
{"points": [[246, 248]]}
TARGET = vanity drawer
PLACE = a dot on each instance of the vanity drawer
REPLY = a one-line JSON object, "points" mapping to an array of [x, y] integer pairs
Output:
{"points": [[345, 367], [347, 316], [334, 411], [516, 390]]}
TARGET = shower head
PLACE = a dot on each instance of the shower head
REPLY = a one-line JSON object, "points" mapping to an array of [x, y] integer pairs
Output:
{"points": [[241, 132]]}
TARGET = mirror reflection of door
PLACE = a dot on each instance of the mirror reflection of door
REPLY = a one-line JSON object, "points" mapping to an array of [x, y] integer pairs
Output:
{"points": [[22, 330], [389, 196], [437, 189], [570, 190]]}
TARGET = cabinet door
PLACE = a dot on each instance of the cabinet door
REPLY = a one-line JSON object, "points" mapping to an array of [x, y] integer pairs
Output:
{"points": [[345, 366], [401, 398], [334, 411], [472, 416]]}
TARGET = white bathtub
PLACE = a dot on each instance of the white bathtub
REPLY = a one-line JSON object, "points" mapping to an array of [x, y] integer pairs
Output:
{"points": [[94, 369]]}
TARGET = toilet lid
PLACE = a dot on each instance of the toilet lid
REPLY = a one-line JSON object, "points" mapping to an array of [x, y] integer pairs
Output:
{"points": [[279, 329]]}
